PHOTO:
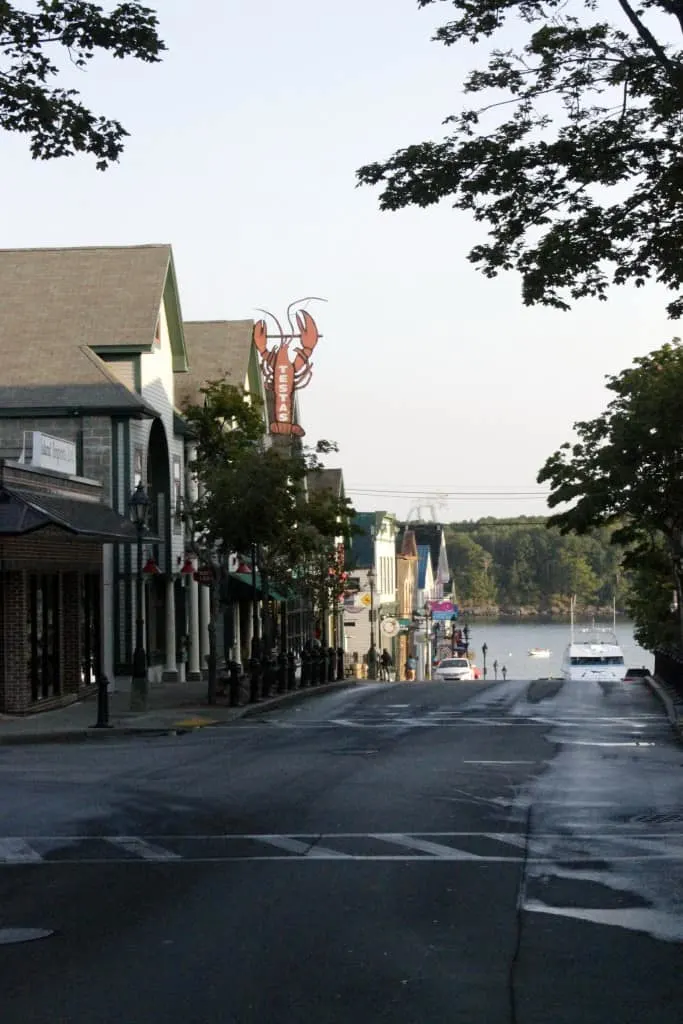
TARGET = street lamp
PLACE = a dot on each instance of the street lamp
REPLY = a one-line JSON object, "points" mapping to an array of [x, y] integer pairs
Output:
{"points": [[372, 654], [139, 507], [428, 640], [484, 649]]}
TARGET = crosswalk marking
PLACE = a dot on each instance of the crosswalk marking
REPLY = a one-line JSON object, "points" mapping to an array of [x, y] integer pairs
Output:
{"points": [[425, 846], [141, 848], [17, 851]]}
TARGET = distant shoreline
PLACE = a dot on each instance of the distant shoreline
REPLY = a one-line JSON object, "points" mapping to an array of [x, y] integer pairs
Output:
{"points": [[603, 616]]}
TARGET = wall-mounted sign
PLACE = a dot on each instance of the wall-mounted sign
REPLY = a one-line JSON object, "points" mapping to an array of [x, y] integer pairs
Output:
{"points": [[287, 367], [390, 626], [53, 453]]}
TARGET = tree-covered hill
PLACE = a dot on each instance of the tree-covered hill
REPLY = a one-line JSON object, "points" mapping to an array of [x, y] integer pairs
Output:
{"points": [[508, 565]]}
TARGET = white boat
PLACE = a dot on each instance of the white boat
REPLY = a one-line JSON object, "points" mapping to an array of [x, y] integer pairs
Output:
{"points": [[539, 652], [593, 654]]}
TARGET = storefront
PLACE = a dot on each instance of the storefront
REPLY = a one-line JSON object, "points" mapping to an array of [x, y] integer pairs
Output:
{"points": [[52, 529]]}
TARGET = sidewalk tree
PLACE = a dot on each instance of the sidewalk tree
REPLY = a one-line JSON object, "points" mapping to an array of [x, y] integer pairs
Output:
{"points": [[571, 151], [252, 495], [626, 468], [55, 119]]}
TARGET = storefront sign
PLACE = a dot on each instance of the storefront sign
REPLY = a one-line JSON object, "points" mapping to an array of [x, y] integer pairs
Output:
{"points": [[53, 453], [286, 368]]}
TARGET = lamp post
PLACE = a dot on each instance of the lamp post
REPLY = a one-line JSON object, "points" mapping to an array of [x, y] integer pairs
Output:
{"points": [[372, 654], [139, 507], [428, 640], [484, 649], [454, 619]]}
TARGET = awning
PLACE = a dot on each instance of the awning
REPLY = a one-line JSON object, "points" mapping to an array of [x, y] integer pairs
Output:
{"points": [[245, 579], [23, 512]]}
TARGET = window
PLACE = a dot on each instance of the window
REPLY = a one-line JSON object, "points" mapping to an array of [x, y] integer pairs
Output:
{"points": [[137, 466], [42, 634], [90, 628], [177, 495]]}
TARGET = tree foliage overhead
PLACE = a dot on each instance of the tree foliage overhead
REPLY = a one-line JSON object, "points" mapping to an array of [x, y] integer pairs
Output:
{"points": [[571, 152], [627, 466], [55, 119]]}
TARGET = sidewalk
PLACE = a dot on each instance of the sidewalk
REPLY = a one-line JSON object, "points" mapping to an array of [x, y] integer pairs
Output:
{"points": [[671, 701], [173, 708]]}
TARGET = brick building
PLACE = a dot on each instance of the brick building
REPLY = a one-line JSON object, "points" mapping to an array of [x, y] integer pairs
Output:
{"points": [[52, 530]]}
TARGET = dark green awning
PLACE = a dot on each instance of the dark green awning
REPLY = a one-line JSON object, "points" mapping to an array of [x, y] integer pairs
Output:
{"points": [[245, 579]]}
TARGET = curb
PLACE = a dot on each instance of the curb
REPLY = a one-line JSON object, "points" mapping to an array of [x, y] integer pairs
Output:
{"points": [[670, 705], [114, 732]]}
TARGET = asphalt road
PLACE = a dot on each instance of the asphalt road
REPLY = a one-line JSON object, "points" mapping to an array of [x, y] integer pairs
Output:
{"points": [[414, 853]]}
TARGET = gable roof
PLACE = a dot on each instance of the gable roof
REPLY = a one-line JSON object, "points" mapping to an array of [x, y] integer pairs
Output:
{"points": [[215, 349], [60, 304], [407, 546]]}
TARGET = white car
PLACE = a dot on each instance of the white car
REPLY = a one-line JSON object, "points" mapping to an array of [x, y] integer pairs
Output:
{"points": [[454, 668]]}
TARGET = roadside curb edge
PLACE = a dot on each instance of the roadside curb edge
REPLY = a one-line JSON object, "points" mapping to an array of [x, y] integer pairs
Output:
{"points": [[83, 735], [662, 694]]}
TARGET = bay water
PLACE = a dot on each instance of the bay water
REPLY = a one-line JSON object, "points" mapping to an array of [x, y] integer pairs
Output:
{"points": [[509, 644]]}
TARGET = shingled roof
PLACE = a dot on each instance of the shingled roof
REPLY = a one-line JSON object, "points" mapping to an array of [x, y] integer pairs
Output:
{"points": [[215, 349], [58, 303]]}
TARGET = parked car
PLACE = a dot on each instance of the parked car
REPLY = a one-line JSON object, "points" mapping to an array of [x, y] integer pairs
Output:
{"points": [[632, 674], [454, 668]]}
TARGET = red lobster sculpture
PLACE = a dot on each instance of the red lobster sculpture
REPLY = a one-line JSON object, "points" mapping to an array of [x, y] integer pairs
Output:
{"points": [[287, 369]]}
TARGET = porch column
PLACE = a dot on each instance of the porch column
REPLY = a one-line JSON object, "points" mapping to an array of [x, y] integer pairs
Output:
{"points": [[204, 615], [193, 672], [170, 674]]}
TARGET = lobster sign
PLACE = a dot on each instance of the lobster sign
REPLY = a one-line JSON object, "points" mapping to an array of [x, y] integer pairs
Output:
{"points": [[287, 365]]}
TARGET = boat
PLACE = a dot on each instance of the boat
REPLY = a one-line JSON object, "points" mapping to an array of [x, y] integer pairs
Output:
{"points": [[593, 654], [539, 652]]}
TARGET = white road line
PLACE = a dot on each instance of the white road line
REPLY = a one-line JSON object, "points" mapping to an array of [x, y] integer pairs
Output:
{"points": [[17, 851], [142, 849], [499, 762], [435, 849]]}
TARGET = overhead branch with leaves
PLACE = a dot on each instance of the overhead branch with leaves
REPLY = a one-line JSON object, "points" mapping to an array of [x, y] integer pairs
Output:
{"points": [[626, 468], [55, 119], [570, 155]]}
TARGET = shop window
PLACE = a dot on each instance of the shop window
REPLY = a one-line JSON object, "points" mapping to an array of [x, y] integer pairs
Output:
{"points": [[43, 631], [90, 628]]}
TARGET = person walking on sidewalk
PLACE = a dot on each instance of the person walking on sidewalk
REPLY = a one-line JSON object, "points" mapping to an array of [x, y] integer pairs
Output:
{"points": [[386, 662]]}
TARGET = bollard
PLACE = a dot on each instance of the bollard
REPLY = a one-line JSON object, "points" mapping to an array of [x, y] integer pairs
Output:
{"points": [[102, 703], [291, 671], [235, 673], [282, 673], [332, 665], [340, 664], [305, 669], [254, 680]]}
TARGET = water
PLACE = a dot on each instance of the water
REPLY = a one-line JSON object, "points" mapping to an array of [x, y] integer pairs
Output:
{"points": [[509, 643]]}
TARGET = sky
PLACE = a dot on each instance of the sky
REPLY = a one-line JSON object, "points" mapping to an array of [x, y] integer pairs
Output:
{"points": [[444, 393]]}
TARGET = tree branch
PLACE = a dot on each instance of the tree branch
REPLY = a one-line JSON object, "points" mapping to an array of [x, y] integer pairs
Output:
{"points": [[649, 40]]}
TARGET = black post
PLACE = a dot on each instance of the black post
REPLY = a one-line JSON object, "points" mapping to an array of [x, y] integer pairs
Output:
{"points": [[291, 671], [315, 666], [484, 650], [282, 673], [139, 680], [235, 668], [340, 663], [331, 665], [255, 640], [453, 622], [254, 680], [372, 654], [102, 702], [212, 667]]}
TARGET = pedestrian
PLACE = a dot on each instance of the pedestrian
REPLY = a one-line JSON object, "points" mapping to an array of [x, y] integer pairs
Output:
{"points": [[495, 669], [411, 665], [387, 663], [504, 673]]}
